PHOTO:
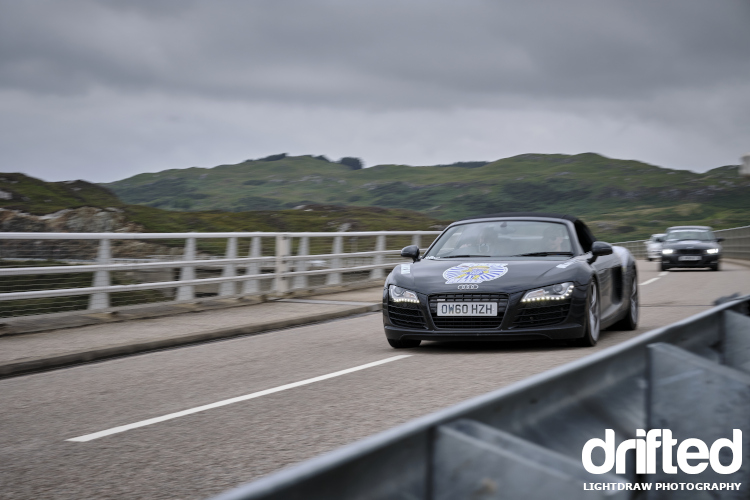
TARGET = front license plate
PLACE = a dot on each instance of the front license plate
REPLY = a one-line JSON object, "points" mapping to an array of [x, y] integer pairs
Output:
{"points": [[689, 257], [467, 309]]}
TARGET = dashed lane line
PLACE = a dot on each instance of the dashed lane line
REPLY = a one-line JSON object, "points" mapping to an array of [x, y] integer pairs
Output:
{"points": [[661, 275], [156, 420]]}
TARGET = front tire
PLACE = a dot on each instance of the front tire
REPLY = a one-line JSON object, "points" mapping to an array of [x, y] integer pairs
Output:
{"points": [[593, 318], [404, 343], [630, 321], [664, 267], [715, 267]]}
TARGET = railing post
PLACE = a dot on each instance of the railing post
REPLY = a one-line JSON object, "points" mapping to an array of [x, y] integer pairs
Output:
{"points": [[302, 265], [187, 273], [334, 278], [282, 264], [416, 239], [100, 300], [229, 287], [377, 274], [253, 285]]}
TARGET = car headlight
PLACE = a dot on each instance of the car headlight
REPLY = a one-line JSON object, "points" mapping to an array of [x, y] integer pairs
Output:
{"points": [[553, 292], [712, 250], [667, 251], [399, 294]]}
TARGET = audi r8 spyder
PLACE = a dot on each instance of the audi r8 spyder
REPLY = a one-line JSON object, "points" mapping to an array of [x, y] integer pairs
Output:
{"points": [[512, 276]]}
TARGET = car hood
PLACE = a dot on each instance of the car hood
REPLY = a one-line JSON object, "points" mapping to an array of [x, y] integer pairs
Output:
{"points": [[702, 245], [507, 276]]}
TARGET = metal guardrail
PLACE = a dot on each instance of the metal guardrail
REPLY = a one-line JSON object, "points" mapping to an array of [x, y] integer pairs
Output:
{"points": [[736, 244], [526, 440], [104, 271]]}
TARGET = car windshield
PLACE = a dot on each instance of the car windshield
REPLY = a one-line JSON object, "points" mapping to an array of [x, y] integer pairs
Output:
{"points": [[506, 238], [690, 234]]}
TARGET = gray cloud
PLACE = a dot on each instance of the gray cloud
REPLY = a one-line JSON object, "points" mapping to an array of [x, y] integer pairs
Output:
{"points": [[167, 84]]}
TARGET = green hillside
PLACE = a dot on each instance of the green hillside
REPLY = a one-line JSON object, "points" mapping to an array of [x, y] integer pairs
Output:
{"points": [[38, 197], [621, 198]]}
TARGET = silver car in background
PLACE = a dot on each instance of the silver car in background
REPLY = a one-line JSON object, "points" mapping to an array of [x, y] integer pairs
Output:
{"points": [[653, 246]]}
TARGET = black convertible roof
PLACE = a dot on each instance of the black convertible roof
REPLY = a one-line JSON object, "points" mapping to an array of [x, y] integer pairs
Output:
{"points": [[585, 236]]}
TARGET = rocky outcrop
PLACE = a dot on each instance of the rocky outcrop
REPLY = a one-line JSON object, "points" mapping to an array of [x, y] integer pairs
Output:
{"points": [[78, 220]]}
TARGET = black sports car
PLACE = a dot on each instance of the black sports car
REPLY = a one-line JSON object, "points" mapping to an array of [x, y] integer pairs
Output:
{"points": [[690, 246], [513, 276]]}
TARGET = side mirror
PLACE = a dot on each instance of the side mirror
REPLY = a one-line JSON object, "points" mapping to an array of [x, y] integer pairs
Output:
{"points": [[411, 252], [719, 240], [599, 248]]}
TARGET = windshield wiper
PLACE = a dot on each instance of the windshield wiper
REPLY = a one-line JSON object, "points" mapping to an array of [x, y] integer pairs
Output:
{"points": [[462, 256], [541, 254]]}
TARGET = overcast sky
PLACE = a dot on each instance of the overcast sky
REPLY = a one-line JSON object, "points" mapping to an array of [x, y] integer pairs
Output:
{"points": [[101, 90]]}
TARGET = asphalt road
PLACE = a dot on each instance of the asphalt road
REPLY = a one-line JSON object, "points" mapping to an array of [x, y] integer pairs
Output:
{"points": [[200, 454]]}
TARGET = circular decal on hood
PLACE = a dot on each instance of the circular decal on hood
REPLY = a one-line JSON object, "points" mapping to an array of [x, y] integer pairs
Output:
{"points": [[471, 272]]}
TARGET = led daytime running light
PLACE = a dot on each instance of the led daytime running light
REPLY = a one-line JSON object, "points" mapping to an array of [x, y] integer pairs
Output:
{"points": [[547, 295], [398, 294], [712, 250], [667, 251], [402, 299]]}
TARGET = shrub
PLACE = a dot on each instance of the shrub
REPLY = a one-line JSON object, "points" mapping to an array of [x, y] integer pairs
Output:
{"points": [[353, 163]]}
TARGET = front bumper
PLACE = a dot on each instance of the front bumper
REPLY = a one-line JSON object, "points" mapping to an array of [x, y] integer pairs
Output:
{"points": [[514, 321], [705, 260]]}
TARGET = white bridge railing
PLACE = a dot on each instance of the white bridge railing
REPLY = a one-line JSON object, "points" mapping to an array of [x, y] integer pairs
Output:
{"points": [[55, 272], [43, 273]]}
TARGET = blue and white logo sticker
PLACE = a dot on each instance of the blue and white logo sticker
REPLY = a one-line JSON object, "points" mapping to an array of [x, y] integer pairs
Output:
{"points": [[472, 272]]}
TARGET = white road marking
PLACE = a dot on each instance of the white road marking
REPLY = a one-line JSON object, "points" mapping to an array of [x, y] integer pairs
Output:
{"points": [[661, 275], [142, 423]]}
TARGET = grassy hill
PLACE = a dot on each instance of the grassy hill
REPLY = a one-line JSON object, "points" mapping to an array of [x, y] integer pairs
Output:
{"points": [[37, 197], [622, 199]]}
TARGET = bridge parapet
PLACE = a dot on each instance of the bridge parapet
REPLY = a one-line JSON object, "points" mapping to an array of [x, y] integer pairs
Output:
{"points": [[44, 273]]}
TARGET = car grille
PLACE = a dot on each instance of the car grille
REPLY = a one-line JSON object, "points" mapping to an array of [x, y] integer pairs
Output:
{"points": [[689, 251], [468, 322], [533, 316], [406, 315]]}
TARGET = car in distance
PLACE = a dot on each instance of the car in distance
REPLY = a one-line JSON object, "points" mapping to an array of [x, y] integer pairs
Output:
{"points": [[511, 276], [653, 247], [690, 246]]}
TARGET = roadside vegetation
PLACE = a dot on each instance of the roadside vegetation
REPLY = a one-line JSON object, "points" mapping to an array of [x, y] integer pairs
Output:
{"points": [[620, 199]]}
